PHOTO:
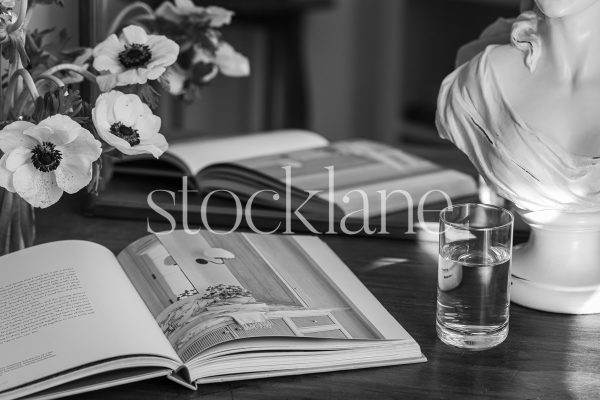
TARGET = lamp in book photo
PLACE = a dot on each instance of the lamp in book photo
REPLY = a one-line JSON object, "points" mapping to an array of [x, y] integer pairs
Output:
{"points": [[525, 112], [51, 140]]}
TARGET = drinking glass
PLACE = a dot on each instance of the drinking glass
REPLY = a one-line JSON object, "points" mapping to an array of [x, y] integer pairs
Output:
{"points": [[475, 249]]}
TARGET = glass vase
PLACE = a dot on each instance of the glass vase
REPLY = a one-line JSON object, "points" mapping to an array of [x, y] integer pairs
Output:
{"points": [[17, 222]]}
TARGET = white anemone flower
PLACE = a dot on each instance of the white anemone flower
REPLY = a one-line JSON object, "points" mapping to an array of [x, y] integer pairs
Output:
{"points": [[126, 123], [174, 80], [181, 9], [42, 161], [133, 58], [228, 61]]}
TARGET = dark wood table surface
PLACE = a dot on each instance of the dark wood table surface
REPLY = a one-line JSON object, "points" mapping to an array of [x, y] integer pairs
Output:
{"points": [[546, 356]]}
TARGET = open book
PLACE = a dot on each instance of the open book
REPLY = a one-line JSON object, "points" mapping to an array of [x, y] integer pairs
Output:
{"points": [[196, 308], [296, 169]]}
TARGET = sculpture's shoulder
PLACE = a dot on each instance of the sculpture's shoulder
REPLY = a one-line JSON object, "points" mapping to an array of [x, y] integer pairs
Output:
{"points": [[510, 72], [463, 80], [473, 82], [472, 97], [513, 63], [505, 58]]}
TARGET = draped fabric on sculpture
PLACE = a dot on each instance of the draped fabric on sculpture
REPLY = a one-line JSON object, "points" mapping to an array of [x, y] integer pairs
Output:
{"points": [[521, 164]]}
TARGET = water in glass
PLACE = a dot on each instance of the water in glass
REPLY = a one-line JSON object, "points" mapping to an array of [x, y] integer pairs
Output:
{"points": [[473, 295]]}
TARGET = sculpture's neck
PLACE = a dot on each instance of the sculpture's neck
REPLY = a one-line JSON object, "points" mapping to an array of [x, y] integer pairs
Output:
{"points": [[572, 44]]}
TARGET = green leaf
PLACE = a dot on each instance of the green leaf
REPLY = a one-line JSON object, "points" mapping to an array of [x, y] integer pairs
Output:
{"points": [[49, 47], [64, 101], [148, 92]]}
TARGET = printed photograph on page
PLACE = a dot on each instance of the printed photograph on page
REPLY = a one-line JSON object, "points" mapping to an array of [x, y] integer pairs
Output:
{"points": [[206, 289]]}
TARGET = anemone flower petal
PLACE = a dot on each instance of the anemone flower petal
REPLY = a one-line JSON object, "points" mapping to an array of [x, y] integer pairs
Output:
{"points": [[156, 146], [134, 34], [169, 12], [202, 55], [148, 125], [126, 148], [107, 81], [132, 77], [230, 62], [219, 16], [12, 137], [85, 147], [5, 175], [127, 109], [111, 46], [16, 158], [101, 108], [39, 133], [18, 126], [211, 75], [73, 174], [164, 51], [36, 187], [64, 129], [155, 73], [185, 5], [103, 123], [107, 63], [174, 80]]}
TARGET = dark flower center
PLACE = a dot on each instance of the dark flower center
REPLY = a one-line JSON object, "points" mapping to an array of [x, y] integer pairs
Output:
{"points": [[135, 55], [45, 157], [126, 133]]}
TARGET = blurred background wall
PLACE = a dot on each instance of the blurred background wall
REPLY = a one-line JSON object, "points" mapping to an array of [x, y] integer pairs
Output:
{"points": [[367, 68]]}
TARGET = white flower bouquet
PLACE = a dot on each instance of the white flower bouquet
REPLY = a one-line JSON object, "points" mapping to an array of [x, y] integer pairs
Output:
{"points": [[51, 140]]}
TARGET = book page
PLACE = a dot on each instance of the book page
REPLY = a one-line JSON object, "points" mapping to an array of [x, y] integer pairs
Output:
{"points": [[206, 289], [197, 154], [365, 166], [68, 304]]}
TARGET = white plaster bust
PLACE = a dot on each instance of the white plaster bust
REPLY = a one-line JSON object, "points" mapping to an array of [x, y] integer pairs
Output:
{"points": [[527, 113]]}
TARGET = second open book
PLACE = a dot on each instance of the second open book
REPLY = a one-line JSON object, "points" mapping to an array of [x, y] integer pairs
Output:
{"points": [[299, 169], [197, 308]]}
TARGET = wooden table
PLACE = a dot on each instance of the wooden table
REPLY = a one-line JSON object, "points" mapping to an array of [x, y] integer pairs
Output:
{"points": [[546, 356]]}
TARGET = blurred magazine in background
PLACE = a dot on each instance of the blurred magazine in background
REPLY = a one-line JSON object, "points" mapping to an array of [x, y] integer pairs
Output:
{"points": [[356, 174]]}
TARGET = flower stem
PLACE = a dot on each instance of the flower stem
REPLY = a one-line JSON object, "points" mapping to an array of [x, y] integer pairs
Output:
{"points": [[94, 186], [29, 83], [107, 149], [20, 103], [72, 67], [13, 83], [21, 18], [121, 16], [2, 118], [51, 78]]}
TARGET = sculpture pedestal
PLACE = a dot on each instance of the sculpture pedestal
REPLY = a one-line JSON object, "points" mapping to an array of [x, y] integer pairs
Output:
{"points": [[558, 270]]}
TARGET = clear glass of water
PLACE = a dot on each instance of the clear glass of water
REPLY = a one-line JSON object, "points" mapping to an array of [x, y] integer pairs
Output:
{"points": [[473, 298]]}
